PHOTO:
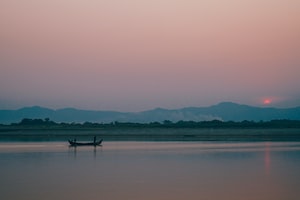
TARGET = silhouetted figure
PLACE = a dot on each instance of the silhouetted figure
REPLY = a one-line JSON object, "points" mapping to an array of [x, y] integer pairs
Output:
{"points": [[94, 139]]}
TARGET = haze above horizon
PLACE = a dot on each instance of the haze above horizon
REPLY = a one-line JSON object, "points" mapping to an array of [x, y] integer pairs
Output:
{"points": [[129, 55]]}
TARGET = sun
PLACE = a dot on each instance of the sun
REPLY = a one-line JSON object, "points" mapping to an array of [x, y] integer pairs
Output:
{"points": [[267, 101]]}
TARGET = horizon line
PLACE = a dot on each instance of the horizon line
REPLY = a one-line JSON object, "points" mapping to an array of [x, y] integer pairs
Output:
{"points": [[155, 108]]}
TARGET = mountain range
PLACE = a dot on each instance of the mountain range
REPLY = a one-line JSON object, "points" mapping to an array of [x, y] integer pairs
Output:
{"points": [[226, 111]]}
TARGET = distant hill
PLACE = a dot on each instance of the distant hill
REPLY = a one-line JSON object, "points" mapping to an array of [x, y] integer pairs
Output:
{"points": [[225, 111]]}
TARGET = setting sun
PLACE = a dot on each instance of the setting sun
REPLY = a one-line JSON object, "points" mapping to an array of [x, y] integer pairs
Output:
{"points": [[267, 101]]}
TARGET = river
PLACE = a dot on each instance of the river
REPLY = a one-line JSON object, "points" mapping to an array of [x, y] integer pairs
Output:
{"points": [[150, 170]]}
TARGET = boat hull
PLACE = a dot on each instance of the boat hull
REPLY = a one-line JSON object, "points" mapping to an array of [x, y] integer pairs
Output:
{"points": [[97, 143]]}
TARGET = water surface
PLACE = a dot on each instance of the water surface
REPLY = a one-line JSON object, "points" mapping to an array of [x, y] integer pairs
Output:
{"points": [[151, 170]]}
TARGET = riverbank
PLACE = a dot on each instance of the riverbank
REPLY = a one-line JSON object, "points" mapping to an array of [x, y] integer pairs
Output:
{"points": [[153, 134]]}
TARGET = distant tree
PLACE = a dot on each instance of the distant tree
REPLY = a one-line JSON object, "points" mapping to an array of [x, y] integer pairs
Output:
{"points": [[167, 122]]}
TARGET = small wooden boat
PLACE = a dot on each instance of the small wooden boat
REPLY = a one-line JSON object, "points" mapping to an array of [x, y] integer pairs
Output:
{"points": [[95, 143]]}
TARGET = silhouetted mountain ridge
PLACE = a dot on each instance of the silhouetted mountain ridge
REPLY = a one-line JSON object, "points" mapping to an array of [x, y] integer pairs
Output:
{"points": [[225, 111]]}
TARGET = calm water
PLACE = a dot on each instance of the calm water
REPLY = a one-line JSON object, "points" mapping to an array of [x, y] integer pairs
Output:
{"points": [[150, 170]]}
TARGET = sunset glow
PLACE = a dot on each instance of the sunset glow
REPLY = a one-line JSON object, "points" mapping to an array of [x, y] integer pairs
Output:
{"points": [[132, 55], [267, 101]]}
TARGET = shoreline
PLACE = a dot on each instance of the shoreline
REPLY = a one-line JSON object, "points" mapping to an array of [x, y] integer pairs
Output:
{"points": [[154, 134]]}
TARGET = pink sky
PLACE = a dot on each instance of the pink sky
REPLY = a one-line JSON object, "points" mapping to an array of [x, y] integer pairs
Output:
{"points": [[133, 55]]}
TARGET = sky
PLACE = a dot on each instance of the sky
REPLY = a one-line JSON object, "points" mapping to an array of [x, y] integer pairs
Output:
{"points": [[135, 55]]}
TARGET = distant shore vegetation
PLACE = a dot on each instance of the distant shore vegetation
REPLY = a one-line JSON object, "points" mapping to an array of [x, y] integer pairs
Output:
{"points": [[49, 124], [215, 130]]}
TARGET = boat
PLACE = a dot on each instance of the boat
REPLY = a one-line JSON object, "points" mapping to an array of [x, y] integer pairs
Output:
{"points": [[95, 143]]}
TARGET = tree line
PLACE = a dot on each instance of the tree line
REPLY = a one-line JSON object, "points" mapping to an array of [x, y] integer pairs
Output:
{"points": [[47, 123]]}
